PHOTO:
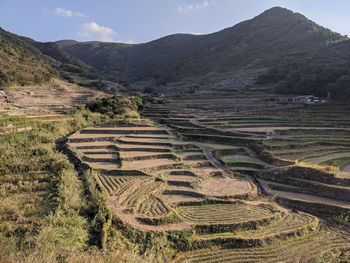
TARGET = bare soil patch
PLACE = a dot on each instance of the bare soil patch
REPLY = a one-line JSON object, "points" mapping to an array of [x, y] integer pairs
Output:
{"points": [[225, 186]]}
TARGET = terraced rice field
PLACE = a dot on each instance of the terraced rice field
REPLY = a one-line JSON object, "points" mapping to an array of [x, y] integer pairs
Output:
{"points": [[241, 163], [206, 214], [299, 249], [201, 169], [134, 196], [147, 170], [116, 185], [153, 207], [221, 187], [282, 225], [261, 134]]}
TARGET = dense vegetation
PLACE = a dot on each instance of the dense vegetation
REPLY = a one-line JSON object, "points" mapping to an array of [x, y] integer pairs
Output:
{"points": [[323, 72], [24, 62], [21, 62], [115, 105], [70, 68]]}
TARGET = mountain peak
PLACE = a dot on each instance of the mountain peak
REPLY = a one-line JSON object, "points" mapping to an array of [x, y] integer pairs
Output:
{"points": [[281, 20], [280, 12], [278, 9]]}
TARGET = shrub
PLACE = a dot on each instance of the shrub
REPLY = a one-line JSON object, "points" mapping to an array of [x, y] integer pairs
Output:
{"points": [[116, 105]]}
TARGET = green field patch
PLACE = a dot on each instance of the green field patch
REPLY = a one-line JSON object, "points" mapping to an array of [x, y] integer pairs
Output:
{"points": [[243, 161]]}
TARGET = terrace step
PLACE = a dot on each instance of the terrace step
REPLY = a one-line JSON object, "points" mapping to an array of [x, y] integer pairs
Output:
{"points": [[194, 157], [106, 166], [121, 172], [182, 190], [91, 139], [283, 227], [179, 183], [179, 123], [184, 178], [101, 159], [150, 164], [316, 188], [307, 149], [159, 137], [281, 174], [183, 173], [312, 245], [312, 204], [244, 169], [225, 216], [221, 139], [163, 167], [204, 164], [143, 148], [149, 157], [93, 145], [122, 131], [123, 141], [100, 153]]}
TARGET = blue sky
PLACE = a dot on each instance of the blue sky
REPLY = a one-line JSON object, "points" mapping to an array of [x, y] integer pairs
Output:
{"points": [[137, 21]]}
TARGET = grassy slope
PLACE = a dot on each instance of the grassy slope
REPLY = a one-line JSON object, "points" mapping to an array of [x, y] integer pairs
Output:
{"points": [[56, 224], [24, 61], [21, 62]]}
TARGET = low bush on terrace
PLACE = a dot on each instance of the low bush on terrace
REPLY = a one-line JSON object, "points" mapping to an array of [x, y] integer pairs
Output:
{"points": [[116, 105]]}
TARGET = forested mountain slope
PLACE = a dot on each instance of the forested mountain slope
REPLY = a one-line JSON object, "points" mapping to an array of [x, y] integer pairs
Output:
{"points": [[258, 42], [24, 61]]}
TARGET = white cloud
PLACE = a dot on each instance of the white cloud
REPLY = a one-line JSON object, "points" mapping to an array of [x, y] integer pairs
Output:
{"points": [[187, 8], [197, 33], [67, 13], [93, 31]]}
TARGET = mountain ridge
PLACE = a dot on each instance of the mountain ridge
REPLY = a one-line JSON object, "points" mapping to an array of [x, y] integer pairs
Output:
{"points": [[255, 42]]}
